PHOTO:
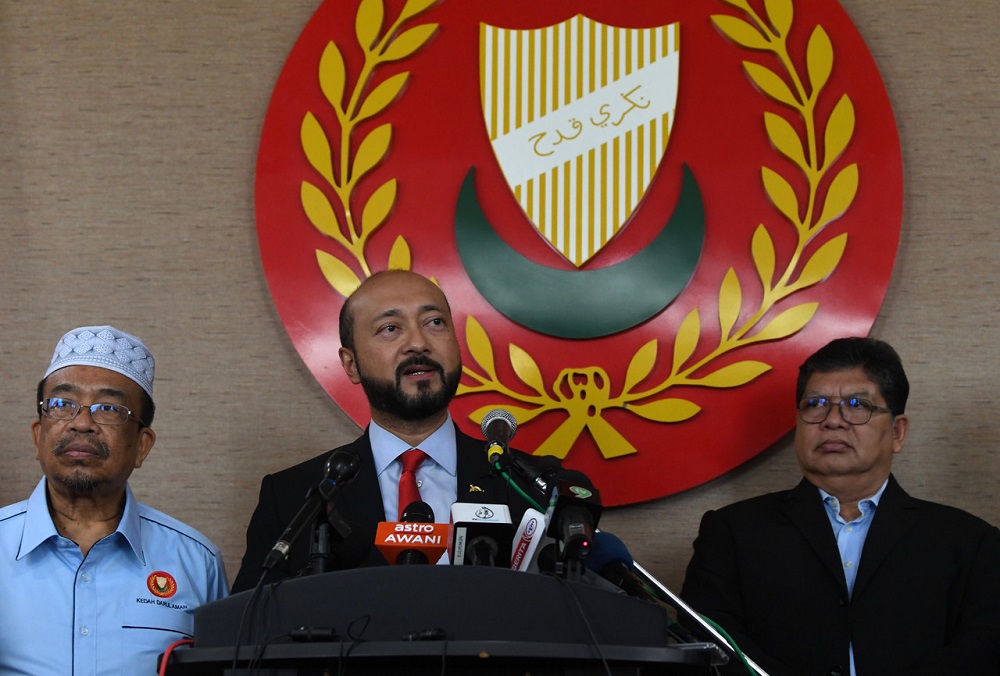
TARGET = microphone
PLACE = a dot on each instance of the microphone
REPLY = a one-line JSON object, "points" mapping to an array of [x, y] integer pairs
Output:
{"points": [[413, 540], [610, 558], [480, 534], [498, 429], [528, 540], [573, 513], [341, 467]]}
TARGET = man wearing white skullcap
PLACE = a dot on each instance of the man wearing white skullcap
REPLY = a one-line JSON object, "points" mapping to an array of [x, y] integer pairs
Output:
{"points": [[94, 582]]}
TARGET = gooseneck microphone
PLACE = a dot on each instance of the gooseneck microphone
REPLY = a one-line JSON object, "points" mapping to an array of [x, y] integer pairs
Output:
{"points": [[341, 467], [498, 428]]}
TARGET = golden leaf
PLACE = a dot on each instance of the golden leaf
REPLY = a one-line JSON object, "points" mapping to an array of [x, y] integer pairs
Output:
{"points": [[371, 151], [332, 75], [782, 195], [414, 7], [762, 248], [479, 345], [780, 13], [368, 22], [640, 366], [559, 442], [740, 32], [378, 207], [399, 256], [788, 322], [316, 146], [382, 96], [319, 211], [666, 410], [337, 274], [740, 4], [823, 262], [686, 339], [734, 375], [409, 42], [784, 138], [839, 129], [609, 440], [526, 369], [842, 190], [730, 302], [770, 83], [819, 59]]}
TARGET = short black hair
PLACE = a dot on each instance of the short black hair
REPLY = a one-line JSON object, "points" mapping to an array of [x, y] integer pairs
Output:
{"points": [[879, 360], [146, 401]]}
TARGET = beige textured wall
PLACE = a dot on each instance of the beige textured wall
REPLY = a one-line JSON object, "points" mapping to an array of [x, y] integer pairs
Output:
{"points": [[128, 133]]}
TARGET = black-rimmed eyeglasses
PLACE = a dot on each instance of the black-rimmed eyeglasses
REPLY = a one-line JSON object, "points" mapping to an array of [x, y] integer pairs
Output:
{"points": [[853, 410]]}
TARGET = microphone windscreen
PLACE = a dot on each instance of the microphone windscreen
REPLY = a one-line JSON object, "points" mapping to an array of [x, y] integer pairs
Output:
{"points": [[607, 549], [418, 512]]}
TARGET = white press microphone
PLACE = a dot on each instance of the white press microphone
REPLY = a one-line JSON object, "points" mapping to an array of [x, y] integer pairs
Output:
{"points": [[480, 534], [529, 538]]}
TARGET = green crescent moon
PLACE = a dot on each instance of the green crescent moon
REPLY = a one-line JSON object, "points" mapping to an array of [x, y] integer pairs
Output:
{"points": [[581, 304]]}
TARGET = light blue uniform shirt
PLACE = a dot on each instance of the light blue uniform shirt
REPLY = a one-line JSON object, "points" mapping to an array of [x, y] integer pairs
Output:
{"points": [[112, 612], [851, 537]]}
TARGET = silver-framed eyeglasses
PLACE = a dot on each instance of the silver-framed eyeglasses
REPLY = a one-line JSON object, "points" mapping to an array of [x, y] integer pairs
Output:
{"points": [[58, 408], [853, 410]]}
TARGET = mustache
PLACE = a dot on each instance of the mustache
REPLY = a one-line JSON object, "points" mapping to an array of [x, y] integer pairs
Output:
{"points": [[418, 360], [66, 442]]}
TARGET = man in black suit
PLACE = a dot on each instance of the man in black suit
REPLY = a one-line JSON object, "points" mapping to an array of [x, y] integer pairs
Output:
{"points": [[399, 344], [846, 573]]}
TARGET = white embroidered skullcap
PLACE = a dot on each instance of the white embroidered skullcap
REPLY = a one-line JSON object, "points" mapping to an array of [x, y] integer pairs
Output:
{"points": [[105, 347]]}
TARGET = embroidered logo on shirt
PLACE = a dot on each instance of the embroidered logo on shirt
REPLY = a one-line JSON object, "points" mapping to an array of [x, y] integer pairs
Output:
{"points": [[161, 584]]}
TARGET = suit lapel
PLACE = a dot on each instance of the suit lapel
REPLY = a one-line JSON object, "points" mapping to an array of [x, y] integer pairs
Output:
{"points": [[475, 484], [804, 508], [895, 516]]}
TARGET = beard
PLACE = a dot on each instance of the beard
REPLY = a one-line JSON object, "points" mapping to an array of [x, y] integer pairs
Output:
{"points": [[79, 480], [388, 396]]}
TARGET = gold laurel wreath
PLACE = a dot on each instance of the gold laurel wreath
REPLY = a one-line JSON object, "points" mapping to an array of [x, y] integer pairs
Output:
{"points": [[585, 393], [352, 108]]}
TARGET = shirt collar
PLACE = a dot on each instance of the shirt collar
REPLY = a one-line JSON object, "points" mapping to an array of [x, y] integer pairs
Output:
{"points": [[865, 506], [440, 446], [39, 527]]}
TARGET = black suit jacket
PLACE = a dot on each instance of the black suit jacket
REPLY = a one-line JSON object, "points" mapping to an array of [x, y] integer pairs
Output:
{"points": [[360, 504], [926, 599]]}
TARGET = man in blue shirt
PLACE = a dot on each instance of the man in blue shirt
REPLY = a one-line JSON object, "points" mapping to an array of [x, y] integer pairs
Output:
{"points": [[398, 344], [94, 582], [846, 573]]}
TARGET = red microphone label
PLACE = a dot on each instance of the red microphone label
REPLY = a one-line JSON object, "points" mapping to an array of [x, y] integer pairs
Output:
{"points": [[392, 538]]}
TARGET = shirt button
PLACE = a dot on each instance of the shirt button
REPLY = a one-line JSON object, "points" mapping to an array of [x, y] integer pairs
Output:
{"points": [[847, 564], [84, 631], [850, 529], [85, 577]]}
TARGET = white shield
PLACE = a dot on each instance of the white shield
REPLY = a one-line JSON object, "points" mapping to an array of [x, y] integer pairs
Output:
{"points": [[579, 115]]}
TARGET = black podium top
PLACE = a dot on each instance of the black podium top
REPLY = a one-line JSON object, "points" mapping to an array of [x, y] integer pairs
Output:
{"points": [[404, 613]]}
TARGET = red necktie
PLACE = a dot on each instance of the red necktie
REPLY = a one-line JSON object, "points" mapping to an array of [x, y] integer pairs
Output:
{"points": [[408, 491]]}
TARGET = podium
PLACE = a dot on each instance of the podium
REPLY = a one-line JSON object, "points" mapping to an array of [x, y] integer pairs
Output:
{"points": [[435, 620]]}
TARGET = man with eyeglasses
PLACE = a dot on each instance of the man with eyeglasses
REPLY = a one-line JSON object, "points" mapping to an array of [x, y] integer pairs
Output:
{"points": [[92, 581], [846, 573]]}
